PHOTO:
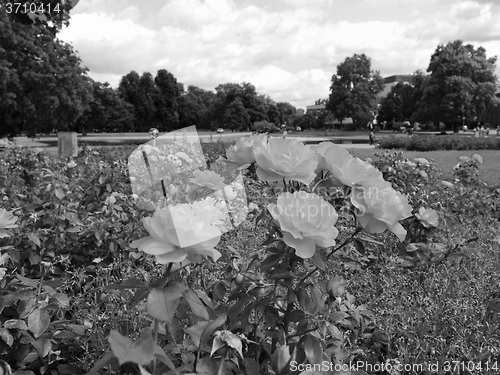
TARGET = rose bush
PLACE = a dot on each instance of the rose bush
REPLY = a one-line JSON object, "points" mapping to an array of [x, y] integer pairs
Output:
{"points": [[278, 291]]}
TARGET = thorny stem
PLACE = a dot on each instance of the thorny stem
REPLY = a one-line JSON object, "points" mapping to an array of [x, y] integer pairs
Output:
{"points": [[358, 229], [40, 285]]}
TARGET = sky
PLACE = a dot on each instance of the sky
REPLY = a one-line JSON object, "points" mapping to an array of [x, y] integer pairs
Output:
{"points": [[288, 49]]}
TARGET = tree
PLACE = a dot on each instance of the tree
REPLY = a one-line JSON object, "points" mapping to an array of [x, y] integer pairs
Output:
{"points": [[286, 112], [41, 78], [255, 105], [354, 87], [107, 112], [399, 104], [196, 108], [461, 84], [167, 100], [236, 117]]}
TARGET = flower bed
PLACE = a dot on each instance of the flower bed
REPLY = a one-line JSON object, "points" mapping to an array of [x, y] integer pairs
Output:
{"points": [[313, 257]]}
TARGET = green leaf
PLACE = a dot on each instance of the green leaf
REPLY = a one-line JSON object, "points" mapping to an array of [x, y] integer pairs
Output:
{"points": [[281, 358], [270, 261], [337, 316], [162, 303], [162, 356], [6, 336], [34, 238], [252, 367], [197, 307], [196, 331], [207, 366], [59, 193], [210, 328], [42, 346], [61, 299], [336, 285], [319, 259], [140, 351], [359, 246], [15, 324], [28, 282], [313, 349], [38, 322], [103, 361], [223, 338], [334, 331]]}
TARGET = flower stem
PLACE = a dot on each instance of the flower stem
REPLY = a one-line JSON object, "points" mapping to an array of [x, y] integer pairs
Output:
{"points": [[358, 229]]}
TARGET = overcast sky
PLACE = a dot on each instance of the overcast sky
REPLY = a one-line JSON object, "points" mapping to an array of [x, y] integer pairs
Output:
{"points": [[288, 49]]}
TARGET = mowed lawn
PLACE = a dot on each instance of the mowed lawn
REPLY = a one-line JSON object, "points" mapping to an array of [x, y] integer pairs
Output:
{"points": [[489, 172]]}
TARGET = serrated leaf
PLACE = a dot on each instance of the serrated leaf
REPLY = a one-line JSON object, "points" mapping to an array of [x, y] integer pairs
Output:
{"points": [[211, 327], [61, 299], [59, 193], [15, 324], [140, 351], [223, 338], [196, 331], [162, 303], [38, 322], [334, 331], [6, 336], [162, 356], [103, 361], [197, 307], [359, 246], [42, 346], [28, 282], [313, 349], [336, 285], [207, 366], [319, 259], [34, 238], [281, 358], [337, 316], [252, 367]]}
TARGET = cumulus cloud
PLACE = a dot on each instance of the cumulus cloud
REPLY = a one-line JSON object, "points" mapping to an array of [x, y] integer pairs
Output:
{"points": [[288, 49]]}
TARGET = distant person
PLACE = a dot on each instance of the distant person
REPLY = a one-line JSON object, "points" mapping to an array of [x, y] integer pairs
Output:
{"points": [[498, 130], [487, 131], [476, 132], [481, 130], [371, 129]]}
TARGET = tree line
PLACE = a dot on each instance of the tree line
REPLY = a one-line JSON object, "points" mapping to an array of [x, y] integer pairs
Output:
{"points": [[44, 88], [459, 88]]}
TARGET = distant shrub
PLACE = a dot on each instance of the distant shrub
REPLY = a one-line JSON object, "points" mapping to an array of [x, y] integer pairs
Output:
{"points": [[440, 142]]}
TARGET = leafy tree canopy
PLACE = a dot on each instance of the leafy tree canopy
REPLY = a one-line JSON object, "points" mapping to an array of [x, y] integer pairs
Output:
{"points": [[462, 82], [42, 83], [354, 87]]}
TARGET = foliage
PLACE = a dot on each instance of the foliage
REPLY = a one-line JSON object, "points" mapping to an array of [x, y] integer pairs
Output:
{"points": [[43, 86], [354, 87], [106, 112], [73, 290], [462, 82], [441, 142]]}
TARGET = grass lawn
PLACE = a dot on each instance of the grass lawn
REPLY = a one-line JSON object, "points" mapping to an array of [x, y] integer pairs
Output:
{"points": [[489, 172]]}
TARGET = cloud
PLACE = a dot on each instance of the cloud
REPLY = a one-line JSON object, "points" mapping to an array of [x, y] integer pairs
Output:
{"points": [[288, 49]]}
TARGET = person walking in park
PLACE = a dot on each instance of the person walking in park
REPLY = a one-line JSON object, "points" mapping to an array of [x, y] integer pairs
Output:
{"points": [[371, 129]]}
